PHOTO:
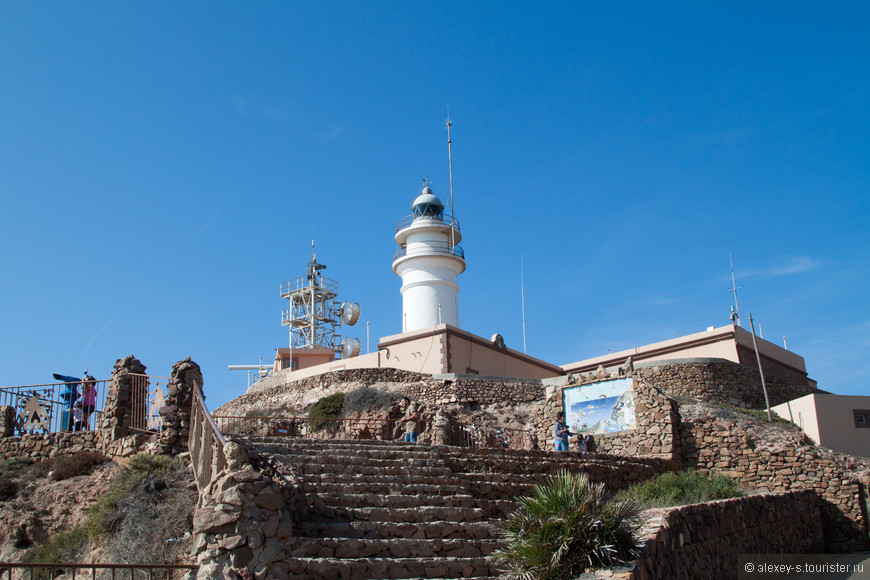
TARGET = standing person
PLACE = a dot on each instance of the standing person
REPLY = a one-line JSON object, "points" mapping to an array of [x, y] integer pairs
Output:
{"points": [[561, 431], [585, 442], [89, 399], [411, 420]]}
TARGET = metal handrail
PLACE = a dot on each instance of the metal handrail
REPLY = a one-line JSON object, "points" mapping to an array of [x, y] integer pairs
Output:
{"points": [[302, 282], [205, 442], [52, 568], [430, 248], [446, 219]]}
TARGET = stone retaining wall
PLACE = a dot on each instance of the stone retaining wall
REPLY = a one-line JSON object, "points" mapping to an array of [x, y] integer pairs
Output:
{"points": [[704, 540], [244, 520], [271, 393], [723, 382], [840, 481], [656, 435], [39, 447]]}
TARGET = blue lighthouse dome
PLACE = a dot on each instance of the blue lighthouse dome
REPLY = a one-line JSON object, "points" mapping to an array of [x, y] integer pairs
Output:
{"points": [[427, 204]]}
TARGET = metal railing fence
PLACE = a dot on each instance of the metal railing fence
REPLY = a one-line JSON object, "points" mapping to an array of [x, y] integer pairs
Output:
{"points": [[444, 219], [51, 407], [54, 407], [428, 249], [22, 571]]}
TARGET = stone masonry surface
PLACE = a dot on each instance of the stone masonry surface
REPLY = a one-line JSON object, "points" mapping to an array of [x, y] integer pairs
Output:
{"points": [[705, 540]]}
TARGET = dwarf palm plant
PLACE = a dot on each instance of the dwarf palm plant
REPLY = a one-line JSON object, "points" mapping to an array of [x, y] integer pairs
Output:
{"points": [[566, 527]]}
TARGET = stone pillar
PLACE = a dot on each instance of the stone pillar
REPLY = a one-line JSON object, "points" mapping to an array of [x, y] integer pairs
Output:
{"points": [[7, 421], [186, 375], [117, 411]]}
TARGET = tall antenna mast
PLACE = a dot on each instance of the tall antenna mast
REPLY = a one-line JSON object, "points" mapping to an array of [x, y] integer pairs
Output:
{"points": [[523, 298], [449, 124], [735, 316]]}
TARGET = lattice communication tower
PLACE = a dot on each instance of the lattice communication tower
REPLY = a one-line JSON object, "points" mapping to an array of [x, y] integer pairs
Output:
{"points": [[315, 315]]}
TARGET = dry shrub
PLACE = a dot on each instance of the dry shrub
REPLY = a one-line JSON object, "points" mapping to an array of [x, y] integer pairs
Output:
{"points": [[81, 463], [146, 513], [8, 488]]}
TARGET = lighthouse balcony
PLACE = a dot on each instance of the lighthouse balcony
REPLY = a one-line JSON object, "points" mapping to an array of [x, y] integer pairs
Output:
{"points": [[438, 219], [430, 249]]}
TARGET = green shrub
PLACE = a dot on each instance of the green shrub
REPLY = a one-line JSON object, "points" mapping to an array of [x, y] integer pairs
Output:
{"points": [[566, 527], [367, 399], [326, 408], [682, 488], [65, 546]]}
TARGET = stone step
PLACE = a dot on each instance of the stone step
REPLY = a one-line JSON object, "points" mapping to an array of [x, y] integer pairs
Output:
{"points": [[493, 508], [421, 530], [369, 470], [344, 548], [377, 568], [380, 478], [352, 461], [394, 501], [391, 451], [398, 515], [363, 446], [383, 488]]}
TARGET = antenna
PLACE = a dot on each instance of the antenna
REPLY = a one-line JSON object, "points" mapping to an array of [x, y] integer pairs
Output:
{"points": [[449, 124], [523, 298], [735, 314]]}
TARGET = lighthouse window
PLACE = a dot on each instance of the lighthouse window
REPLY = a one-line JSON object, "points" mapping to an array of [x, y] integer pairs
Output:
{"points": [[427, 210]]}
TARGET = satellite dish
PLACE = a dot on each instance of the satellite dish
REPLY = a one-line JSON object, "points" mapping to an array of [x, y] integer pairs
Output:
{"points": [[350, 347], [349, 313]]}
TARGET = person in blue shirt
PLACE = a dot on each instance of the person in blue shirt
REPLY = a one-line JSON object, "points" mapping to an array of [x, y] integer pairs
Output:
{"points": [[561, 431]]}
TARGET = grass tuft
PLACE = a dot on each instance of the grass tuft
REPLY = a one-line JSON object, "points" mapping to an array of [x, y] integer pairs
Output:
{"points": [[682, 488]]}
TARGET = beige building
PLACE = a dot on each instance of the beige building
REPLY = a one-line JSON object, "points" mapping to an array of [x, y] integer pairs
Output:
{"points": [[446, 349], [839, 422], [438, 349], [732, 343]]}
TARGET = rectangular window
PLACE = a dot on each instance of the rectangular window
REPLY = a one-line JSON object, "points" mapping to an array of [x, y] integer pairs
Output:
{"points": [[862, 418]]}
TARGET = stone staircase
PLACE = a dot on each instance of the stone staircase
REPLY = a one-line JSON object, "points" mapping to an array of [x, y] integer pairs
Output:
{"points": [[391, 510]]}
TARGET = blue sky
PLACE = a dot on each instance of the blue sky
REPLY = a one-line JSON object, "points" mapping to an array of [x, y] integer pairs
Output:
{"points": [[164, 166]]}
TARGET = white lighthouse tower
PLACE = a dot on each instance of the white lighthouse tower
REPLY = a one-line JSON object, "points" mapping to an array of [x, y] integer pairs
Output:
{"points": [[429, 260]]}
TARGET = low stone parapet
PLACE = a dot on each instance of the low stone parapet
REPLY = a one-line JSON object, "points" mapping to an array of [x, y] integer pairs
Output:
{"points": [[705, 540]]}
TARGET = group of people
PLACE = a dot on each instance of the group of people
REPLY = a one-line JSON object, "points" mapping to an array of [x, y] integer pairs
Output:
{"points": [[411, 421], [562, 433], [84, 407]]}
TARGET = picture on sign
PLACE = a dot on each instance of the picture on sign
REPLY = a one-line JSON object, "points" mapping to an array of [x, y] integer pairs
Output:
{"points": [[605, 407]]}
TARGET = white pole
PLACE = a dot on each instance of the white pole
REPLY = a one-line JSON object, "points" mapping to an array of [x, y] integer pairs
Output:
{"points": [[760, 371]]}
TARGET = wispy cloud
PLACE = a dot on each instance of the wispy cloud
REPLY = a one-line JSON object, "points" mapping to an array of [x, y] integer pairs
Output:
{"points": [[99, 332], [660, 300], [788, 266], [257, 111]]}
